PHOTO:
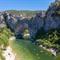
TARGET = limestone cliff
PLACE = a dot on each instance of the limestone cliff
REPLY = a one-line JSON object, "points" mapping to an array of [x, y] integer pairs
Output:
{"points": [[47, 20]]}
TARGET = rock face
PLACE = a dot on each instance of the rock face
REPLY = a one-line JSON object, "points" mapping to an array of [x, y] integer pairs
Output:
{"points": [[47, 21], [33, 25], [21, 25], [52, 19], [36, 23], [18, 25], [2, 23], [10, 20]]}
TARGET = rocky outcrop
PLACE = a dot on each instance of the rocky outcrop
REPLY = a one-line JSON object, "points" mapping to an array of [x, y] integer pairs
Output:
{"points": [[33, 25], [47, 20], [52, 19], [2, 22], [36, 23], [10, 20], [21, 25]]}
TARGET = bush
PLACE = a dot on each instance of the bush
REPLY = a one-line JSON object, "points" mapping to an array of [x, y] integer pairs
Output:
{"points": [[50, 39]]}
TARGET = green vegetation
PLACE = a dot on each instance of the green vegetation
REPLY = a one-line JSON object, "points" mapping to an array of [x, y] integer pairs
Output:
{"points": [[50, 39], [23, 12], [4, 36], [26, 34], [25, 50]]}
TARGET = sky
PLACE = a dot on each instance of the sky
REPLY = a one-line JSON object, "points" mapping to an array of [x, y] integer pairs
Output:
{"points": [[24, 4]]}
